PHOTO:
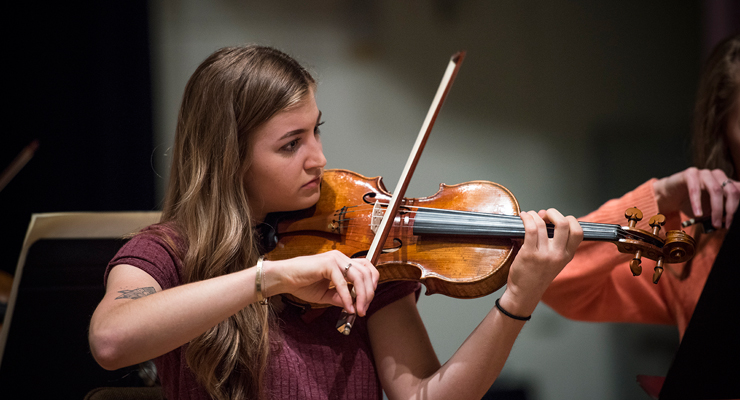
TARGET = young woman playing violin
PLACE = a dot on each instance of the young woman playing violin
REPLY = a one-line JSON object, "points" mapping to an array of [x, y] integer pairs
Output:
{"points": [[596, 287], [186, 292]]}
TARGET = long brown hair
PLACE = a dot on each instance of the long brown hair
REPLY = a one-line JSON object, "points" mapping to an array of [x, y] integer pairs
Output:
{"points": [[716, 96], [234, 91], [715, 99]]}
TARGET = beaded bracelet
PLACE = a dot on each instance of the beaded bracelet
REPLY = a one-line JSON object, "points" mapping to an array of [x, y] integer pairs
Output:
{"points": [[258, 282], [510, 315]]}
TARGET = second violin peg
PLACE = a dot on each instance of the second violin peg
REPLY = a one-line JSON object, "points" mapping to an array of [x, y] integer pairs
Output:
{"points": [[656, 222], [658, 271], [633, 215], [635, 266]]}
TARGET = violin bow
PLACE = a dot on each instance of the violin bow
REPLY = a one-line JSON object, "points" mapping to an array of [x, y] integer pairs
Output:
{"points": [[344, 325]]}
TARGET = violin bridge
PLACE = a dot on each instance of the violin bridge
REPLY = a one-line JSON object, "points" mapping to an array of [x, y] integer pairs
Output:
{"points": [[376, 218]]}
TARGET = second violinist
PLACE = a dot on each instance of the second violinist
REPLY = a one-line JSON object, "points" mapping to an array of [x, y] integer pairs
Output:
{"points": [[193, 293]]}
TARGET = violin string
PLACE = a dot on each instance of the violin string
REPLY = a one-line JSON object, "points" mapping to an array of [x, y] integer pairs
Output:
{"points": [[594, 225], [442, 221], [478, 216]]}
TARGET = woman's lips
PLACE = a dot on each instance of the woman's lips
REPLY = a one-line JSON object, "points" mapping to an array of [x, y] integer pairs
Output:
{"points": [[313, 183]]}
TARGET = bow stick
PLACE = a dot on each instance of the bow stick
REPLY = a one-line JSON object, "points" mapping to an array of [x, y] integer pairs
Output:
{"points": [[344, 325]]}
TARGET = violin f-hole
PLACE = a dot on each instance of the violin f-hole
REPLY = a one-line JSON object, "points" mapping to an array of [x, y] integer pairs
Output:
{"points": [[397, 244], [369, 198]]}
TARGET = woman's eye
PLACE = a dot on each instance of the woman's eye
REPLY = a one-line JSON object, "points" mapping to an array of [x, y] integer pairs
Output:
{"points": [[316, 130], [291, 146]]}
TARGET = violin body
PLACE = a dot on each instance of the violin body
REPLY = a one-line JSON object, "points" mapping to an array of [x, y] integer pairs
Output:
{"points": [[460, 266]]}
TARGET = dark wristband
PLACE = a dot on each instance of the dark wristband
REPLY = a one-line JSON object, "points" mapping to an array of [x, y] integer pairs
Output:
{"points": [[510, 315]]}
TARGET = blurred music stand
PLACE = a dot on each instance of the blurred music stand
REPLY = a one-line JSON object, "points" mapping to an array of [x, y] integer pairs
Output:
{"points": [[707, 363]]}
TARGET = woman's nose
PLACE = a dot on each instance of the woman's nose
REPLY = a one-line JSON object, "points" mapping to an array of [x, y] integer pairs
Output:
{"points": [[316, 157]]}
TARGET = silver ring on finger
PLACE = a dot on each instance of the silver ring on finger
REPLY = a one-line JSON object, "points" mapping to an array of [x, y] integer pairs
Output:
{"points": [[726, 182], [346, 270]]}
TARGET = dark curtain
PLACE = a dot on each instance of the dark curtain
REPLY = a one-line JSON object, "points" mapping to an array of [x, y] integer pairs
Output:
{"points": [[79, 76]]}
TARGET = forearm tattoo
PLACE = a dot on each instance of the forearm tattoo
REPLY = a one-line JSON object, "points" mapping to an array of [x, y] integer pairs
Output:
{"points": [[135, 293]]}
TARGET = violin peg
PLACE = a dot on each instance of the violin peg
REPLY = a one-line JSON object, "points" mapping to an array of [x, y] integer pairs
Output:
{"points": [[658, 270], [657, 221], [635, 263], [633, 214]]}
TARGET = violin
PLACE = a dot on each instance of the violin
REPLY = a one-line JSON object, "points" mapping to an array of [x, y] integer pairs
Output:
{"points": [[459, 242]]}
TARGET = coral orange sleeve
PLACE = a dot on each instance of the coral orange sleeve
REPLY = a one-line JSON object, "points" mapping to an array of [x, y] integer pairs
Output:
{"points": [[598, 286]]}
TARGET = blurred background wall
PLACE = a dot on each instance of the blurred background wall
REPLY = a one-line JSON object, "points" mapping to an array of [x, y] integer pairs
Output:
{"points": [[567, 103]]}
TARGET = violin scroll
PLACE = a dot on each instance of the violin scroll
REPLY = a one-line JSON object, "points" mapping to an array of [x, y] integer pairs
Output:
{"points": [[675, 248]]}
